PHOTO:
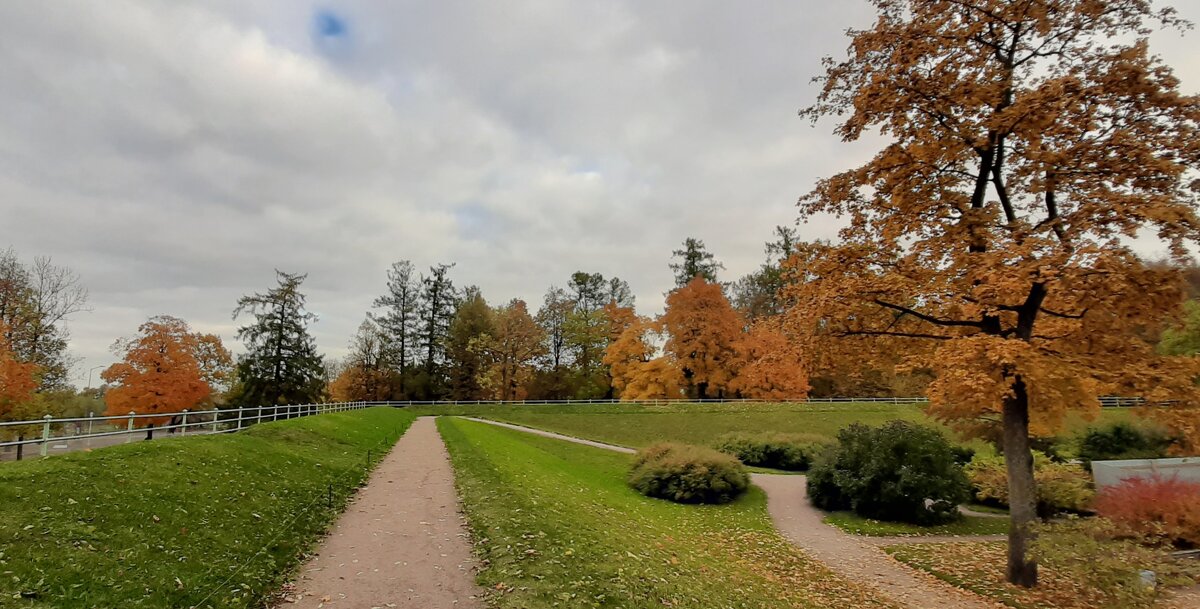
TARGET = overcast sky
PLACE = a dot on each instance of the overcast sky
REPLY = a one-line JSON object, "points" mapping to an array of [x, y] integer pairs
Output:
{"points": [[173, 154]]}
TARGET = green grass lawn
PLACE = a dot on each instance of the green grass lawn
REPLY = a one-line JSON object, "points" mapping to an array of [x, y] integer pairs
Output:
{"points": [[637, 425], [555, 525], [968, 525], [204, 521]]}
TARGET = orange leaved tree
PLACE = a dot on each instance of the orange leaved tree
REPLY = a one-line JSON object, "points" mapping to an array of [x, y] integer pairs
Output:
{"points": [[773, 366], [159, 372], [638, 372], [703, 332], [1030, 141], [18, 379]]}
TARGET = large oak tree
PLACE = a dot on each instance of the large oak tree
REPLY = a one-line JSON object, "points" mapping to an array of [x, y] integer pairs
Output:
{"points": [[1030, 142]]}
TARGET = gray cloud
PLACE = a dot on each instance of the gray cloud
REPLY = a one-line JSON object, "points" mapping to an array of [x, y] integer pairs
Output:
{"points": [[174, 154]]}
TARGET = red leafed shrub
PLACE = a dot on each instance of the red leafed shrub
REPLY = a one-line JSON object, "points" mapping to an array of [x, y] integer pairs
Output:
{"points": [[1154, 508]]}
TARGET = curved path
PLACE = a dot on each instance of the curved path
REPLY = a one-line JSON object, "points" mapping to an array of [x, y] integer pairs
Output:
{"points": [[401, 543], [853, 557]]}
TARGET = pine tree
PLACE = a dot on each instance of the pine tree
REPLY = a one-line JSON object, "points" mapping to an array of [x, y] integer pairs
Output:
{"points": [[694, 261], [399, 320], [281, 364]]}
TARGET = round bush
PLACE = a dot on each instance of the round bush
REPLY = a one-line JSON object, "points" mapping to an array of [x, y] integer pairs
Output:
{"points": [[1061, 487], [898, 472], [688, 474], [792, 452]]}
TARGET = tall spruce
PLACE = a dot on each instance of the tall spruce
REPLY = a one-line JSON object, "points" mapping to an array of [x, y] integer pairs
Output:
{"points": [[281, 364], [694, 261], [439, 299], [399, 320]]}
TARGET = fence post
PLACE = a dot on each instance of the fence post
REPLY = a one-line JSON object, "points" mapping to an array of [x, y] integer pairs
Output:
{"points": [[239, 422], [88, 441], [129, 436], [216, 417], [46, 435], [183, 426]]}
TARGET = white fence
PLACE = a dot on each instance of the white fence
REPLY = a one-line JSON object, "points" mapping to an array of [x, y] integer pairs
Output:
{"points": [[81, 433]]}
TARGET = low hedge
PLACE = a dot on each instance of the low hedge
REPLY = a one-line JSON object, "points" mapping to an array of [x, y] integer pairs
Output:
{"points": [[792, 452], [688, 474], [1123, 441]]}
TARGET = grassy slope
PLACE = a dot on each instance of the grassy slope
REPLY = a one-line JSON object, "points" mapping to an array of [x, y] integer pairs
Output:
{"points": [[638, 425], [556, 525], [968, 525], [164, 523]]}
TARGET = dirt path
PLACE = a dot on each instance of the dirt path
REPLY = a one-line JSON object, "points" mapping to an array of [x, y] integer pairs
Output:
{"points": [[401, 543], [852, 557]]}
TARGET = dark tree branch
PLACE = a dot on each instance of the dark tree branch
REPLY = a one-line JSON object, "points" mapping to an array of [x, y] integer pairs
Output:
{"points": [[899, 334], [929, 318], [1065, 315]]}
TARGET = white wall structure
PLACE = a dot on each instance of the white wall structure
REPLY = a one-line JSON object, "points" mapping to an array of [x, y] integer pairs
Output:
{"points": [[1110, 473]]}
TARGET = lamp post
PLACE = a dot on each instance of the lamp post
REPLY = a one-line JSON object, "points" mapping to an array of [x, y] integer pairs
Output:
{"points": [[93, 369]]}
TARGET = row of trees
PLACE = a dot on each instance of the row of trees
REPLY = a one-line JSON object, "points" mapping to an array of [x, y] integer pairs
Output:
{"points": [[428, 340]]}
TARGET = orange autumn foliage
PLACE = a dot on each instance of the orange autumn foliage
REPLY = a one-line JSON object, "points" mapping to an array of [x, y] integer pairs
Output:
{"points": [[160, 371], [18, 379], [637, 374], [703, 332], [1027, 143], [707, 352], [772, 365]]}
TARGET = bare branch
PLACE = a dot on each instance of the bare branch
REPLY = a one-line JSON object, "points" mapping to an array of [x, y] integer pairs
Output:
{"points": [[929, 318]]}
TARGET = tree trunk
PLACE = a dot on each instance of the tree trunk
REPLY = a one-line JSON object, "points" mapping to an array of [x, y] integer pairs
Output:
{"points": [[1022, 497]]}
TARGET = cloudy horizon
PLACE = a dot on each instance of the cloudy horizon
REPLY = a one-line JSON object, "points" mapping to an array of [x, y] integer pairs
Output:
{"points": [[174, 155]]}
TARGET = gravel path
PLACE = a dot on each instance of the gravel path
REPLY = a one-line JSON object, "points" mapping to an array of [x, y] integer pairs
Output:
{"points": [[401, 543], [850, 556], [854, 557]]}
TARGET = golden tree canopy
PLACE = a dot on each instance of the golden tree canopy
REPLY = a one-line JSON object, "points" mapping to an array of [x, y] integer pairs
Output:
{"points": [[18, 379], [160, 371], [1029, 145], [1030, 142], [703, 331]]}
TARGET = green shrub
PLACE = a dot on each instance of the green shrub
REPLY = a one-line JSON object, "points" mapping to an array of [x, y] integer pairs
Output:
{"points": [[1061, 487], [688, 474], [899, 471], [792, 452], [1122, 441]]}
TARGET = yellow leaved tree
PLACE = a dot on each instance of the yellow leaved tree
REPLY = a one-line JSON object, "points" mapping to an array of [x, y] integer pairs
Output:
{"points": [[1029, 142]]}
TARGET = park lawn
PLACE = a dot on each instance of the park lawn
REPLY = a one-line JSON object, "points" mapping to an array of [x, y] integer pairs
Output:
{"points": [[202, 521], [967, 525], [637, 425], [979, 567], [555, 525]]}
